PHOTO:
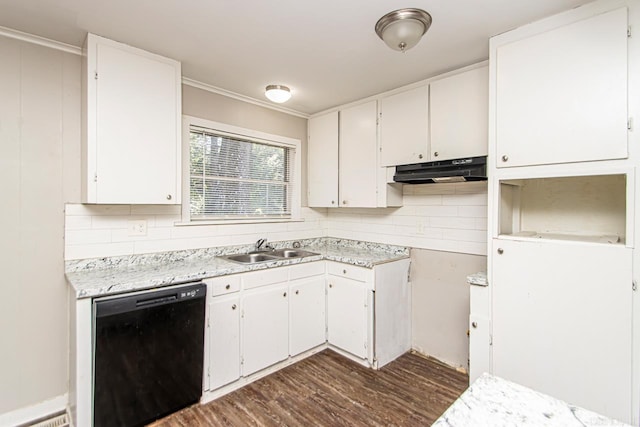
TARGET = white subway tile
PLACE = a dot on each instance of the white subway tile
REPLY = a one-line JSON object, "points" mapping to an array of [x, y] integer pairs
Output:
{"points": [[85, 237], [453, 222], [119, 221], [167, 220], [79, 209], [97, 250], [156, 209], [423, 200], [472, 211], [193, 231], [79, 222], [471, 187], [478, 199], [122, 235], [465, 235], [448, 188], [436, 211]]}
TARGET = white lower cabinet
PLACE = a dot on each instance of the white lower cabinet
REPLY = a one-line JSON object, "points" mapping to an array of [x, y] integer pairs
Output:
{"points": [[307, 314], [368, 311], [262, 319], [347, 320], [224, 340], [265, 327]]}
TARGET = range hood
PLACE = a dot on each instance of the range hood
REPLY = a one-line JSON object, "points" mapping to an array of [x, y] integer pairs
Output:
{"points": [[457, 170]]}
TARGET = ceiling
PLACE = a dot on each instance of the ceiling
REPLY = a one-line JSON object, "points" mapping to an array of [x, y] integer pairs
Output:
{"points": [[326, 51]]}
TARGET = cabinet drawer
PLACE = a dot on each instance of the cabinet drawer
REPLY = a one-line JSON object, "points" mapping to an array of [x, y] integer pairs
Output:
{"points": [[264, 277], [309, 269], [350, 271], [223, 285]]}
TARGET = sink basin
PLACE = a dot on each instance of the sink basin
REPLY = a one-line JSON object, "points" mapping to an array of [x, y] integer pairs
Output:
{"points": [[291, 253], [251, 258], [275, 255]]}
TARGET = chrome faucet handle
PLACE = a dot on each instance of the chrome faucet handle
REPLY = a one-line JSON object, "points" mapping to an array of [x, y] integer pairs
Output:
{"points": [[259, 243], [296, 245]]}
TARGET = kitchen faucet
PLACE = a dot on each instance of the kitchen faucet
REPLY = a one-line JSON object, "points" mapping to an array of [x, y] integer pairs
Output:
{"points": [[261, 242]]}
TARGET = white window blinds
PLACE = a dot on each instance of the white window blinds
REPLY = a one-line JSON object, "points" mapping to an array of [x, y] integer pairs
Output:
{"points": [[236, 178]]}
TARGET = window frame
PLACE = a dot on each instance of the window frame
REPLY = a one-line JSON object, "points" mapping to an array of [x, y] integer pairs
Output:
{"points": [[246, 134]]}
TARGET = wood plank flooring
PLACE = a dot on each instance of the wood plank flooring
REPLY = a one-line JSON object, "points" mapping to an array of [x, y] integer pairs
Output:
{"points": [[330, 390]]}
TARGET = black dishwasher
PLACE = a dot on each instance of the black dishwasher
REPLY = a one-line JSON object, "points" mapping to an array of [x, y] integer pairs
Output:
{"points": [[148, 354]]}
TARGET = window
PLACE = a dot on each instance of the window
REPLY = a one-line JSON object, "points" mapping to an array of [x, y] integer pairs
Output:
{"points": [[239, 174]]}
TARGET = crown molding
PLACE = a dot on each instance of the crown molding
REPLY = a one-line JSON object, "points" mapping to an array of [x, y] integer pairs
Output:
{"points": [[214, 89], [42, 41]]}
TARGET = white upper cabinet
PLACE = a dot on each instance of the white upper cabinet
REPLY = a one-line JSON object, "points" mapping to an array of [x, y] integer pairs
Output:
{"points": [[131, 125], [460, 115], [358, 157], [404, 127], [342, 165], [322, 165], [561, 94]]}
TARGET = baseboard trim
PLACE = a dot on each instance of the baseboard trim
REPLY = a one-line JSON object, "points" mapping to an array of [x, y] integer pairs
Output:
{"points": [[35, 412]]}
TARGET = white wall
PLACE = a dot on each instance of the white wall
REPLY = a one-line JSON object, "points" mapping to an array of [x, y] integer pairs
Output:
{"points": [[39, 171], [440, 303]]}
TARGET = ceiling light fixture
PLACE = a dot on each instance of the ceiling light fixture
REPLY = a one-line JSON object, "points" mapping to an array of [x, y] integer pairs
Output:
{"points": [[403, 28], [277, 93]]}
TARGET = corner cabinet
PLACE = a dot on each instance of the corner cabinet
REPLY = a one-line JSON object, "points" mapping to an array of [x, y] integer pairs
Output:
{"points": [[343, 165], [131, 125], [368, 311]]}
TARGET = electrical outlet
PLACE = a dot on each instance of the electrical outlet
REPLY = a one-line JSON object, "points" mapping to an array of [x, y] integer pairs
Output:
{"points": [[138, 227]]}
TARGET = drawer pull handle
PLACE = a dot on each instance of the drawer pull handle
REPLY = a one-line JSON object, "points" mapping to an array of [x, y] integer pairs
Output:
{"points": [[233, 307], [297, 292], [227, 287], [500, 251], [474, 324], [344, 271], [330, 285], [284, 295]]}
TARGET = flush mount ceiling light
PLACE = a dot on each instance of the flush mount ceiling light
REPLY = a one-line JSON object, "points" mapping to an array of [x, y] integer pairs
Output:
{"points": [[403, 28], [277, 93]]}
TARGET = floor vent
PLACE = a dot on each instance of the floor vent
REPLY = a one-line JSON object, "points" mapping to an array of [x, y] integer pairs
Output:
{"points": [[59, 420]]}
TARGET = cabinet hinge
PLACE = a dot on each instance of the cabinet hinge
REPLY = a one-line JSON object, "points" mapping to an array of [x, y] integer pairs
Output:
{"points": [[95, 177], [95, 75], [490, 339], [208, 372], [634, 285], [630, 123], [629, 31]]}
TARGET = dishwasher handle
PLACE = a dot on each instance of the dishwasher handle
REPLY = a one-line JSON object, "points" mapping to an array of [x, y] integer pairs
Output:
{"points": [[149, 299]]}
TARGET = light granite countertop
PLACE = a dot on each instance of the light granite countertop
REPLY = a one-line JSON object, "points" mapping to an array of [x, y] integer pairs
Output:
{"points": [[492, 401], [106, 276]]}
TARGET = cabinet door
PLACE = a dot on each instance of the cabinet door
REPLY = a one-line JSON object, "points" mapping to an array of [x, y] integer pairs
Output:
{"points": [[347, 315], [479, 347], [322, 164], [137, 127], [224, 340], [265, 327], [460, 115], [307, 314], [562, 321], [561, 96], [358, 157], [404, 127]]}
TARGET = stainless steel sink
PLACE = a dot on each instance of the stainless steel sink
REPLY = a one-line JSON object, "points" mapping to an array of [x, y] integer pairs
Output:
{"points": [[251, 258], [274, 255], [291, 253]]}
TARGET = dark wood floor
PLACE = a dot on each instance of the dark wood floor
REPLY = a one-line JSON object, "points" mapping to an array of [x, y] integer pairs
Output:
{"points": [[330, 390]]}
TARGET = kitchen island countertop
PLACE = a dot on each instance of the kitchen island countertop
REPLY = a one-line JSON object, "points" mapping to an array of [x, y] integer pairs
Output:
{"points": [[495, 402], [113, 275]]}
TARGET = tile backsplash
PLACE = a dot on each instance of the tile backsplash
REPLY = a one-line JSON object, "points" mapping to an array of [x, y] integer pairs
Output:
{"points": [[449, 217]]}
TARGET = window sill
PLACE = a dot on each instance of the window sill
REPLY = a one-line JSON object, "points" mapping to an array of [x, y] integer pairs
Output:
{"points": [[236, 221]]}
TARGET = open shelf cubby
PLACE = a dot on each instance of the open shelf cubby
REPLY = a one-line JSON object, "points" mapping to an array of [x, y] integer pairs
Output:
{"points": [[589, 208]]}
